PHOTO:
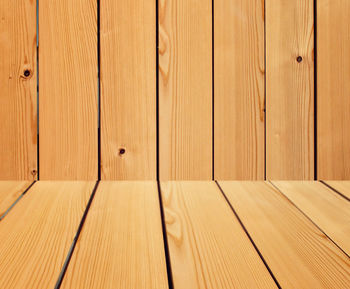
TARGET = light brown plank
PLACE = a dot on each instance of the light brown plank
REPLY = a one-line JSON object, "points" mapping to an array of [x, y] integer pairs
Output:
{"points": [[208, 247], [289, 90], [323, 206], [185, 89], [9, 192], [35, 237], [342, 187], [68, 89], [121, 244], [298, 253], [18, 130], [239, 96], [128, 89], [333, 88]]}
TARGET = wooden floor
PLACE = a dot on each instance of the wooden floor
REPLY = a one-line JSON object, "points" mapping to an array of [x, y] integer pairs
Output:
{"points": [[281, 234]]}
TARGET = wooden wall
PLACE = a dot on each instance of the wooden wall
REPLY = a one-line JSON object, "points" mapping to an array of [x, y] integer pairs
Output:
{"points": [[175, 89]]}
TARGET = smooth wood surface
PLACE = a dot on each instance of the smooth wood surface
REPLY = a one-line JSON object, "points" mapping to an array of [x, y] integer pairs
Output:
{"points": [[323, 206], [297, 252], [128, 89], [342, 187], [18, 129], [185, 89], [121, 244], [9, 192], [68, 89], [239, 89], [37, 233], [333, 88], [289, 90], [208, 247]]}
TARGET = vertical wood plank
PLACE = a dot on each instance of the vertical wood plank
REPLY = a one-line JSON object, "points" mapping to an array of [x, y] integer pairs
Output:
{"points": [[68, 89], [333, 87], [128, 89], [18, 111], [185, 89], [289, 90], [239, 89]]}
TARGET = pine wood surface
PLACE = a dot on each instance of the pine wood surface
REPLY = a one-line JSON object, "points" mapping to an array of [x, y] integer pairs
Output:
{"points": [[9, 192], [298, 253], [342, 187]]}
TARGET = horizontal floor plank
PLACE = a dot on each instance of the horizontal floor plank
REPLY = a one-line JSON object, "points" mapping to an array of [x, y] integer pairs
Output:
{"points": [[208, 247], [342, 187], [298, 253], [36, 236], [9, 192], [329, 210], [121, 244]]}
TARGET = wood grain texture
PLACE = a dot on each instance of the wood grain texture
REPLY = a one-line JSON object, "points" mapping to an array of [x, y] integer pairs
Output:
{"points": [[185, 89], [38, 232], [128, 89], [333, 88], [323, 206], [239, 90], [297, 252], [342, 187], [289, 90], [68, 89], [121, 244], [208, 247], [18, 112], [9, 192]]}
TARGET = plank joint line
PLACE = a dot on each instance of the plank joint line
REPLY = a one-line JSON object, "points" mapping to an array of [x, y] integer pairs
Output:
{"points": [[248, 235], [335, 190], [302, 212], [76, 237]]}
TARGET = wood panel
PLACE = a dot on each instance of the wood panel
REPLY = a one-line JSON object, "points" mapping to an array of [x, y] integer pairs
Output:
{"points": [[18, 130], [333, 88], [128, 89], [289, 90], [185, 89], [323, 206], [297, 252], [124, 231], [208, 247], [9, 192], [239, 90], [38, 232], [342, 187], [68, 89]]}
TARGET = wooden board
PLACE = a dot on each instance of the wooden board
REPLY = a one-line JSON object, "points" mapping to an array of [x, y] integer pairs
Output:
{"points": [[333, 88], [297, 252], [289, 90], [128, 89], [342, 187], [68, 89], [185, 89], [9, 192], [123, 230], [38, 232], [208, 247], [323, 206], [239, 89], [18, 130]]}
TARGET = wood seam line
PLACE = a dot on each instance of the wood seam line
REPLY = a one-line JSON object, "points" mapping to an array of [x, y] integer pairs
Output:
{"points": [[165, 238], [249, 237], [37, 92], [334, 190], [76, 237], [212, 92], [302, 212], [265, 96], [98, 90], [315, 89], [157, 92], [16, 201]]}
